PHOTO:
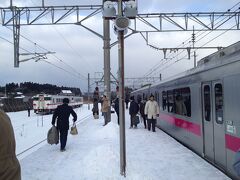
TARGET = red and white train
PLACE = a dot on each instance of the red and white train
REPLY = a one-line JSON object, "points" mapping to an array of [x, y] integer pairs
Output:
{"points": [[45, 103]]}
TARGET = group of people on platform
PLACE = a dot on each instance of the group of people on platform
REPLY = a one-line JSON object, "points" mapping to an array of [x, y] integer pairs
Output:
{"points": [[149, 111]]}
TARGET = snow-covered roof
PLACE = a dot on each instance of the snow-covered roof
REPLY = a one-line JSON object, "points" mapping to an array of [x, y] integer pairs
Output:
{"points": [[19, 97], [67, 91]]}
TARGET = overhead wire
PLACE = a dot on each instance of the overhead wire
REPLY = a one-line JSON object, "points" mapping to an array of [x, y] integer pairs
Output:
{"points": [[13, 44], [69, 72], [185, 57], [71, 47], [159, 64]]}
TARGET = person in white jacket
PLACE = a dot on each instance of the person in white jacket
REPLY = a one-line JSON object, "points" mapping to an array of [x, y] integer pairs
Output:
{"points": [[152, 112]]}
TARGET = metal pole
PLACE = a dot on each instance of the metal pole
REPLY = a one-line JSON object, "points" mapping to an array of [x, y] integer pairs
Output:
{"points": [[42, 3], [106, 49], [121, 96], [11, 3], [6, 90], [195, 59], [88, 91]]}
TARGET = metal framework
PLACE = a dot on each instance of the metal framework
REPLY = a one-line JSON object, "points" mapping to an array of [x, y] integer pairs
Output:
{"points": [[20, 16], [172, 22], [56, 14], [143, 23]]}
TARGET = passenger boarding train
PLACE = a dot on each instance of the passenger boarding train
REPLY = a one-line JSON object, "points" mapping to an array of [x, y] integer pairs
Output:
{"points": [[208, 121], [44, 103]]}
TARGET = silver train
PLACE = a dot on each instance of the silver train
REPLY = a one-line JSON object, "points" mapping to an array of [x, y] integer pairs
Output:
{"points": [[201, 107]]}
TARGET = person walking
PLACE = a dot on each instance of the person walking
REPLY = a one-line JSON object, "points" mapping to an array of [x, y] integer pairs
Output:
{"points": [[142, 107], [28, 109], [9, 165], [95, 109], [127, 101], [62, 114], [152, 112], [133, 110], [116, 107], [105, 109]]}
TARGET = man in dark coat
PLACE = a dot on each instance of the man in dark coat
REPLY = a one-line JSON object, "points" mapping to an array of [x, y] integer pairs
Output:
{"points": [[62, 114], [116, 107], [133, 110], [9, 165]]}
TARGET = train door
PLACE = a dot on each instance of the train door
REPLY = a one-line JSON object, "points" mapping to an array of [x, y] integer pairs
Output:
{"points": [[219, 125], [208, 129], [213, 123]]}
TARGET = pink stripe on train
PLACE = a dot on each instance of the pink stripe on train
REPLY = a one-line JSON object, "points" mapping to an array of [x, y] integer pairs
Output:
{"points": [[189, 126], [232, 142]]}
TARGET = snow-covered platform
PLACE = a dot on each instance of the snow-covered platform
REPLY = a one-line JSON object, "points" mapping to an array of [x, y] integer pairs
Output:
{"points": [[94, 154]]}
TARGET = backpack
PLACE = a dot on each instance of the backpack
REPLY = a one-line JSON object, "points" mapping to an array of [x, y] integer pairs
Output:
{"points": [[53, 136]]}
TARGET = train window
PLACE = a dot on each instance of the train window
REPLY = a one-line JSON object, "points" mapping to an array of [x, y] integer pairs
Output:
{"points": [[47, 98], [170, 101], [35, 98], [182, 103], [207, 103], [218, 103], [164, 100]]}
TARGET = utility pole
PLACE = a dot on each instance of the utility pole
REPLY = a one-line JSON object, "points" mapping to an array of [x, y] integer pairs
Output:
{"points": [[6, 90], [107, 69], [121, 95], [88, 91]]}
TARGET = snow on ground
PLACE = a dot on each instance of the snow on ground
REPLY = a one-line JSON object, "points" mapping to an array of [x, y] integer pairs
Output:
{"points": [[93, 154], [31, 130]]}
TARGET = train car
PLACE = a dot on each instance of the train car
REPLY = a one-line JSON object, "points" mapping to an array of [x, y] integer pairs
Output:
{"points": [[208, 122], [45, 103]]}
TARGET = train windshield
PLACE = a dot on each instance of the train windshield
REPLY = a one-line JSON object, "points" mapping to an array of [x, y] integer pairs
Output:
{"points": [[35, 98]]}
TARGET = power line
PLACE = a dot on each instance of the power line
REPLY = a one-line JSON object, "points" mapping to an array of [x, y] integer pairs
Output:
{"points": [[13, 44], [69, 44], [184, 57], [47, 51], [156, 66], [69, 72]]}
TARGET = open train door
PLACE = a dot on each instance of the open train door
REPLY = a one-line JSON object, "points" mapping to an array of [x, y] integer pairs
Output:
{"points": [[213, 123]]}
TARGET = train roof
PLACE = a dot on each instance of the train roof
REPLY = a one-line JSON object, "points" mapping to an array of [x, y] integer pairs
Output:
{"points": [[222, 57]]}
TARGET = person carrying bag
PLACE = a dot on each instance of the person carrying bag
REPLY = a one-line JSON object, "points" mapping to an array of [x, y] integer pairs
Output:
{"points": [[53, 135], [74, 130]]}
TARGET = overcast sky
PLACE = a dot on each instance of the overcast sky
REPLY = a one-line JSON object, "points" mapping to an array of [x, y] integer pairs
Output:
{"points": [[81, 52]]}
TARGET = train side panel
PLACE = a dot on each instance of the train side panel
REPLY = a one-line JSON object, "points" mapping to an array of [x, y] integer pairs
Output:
{"points": [[232, 114]]}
